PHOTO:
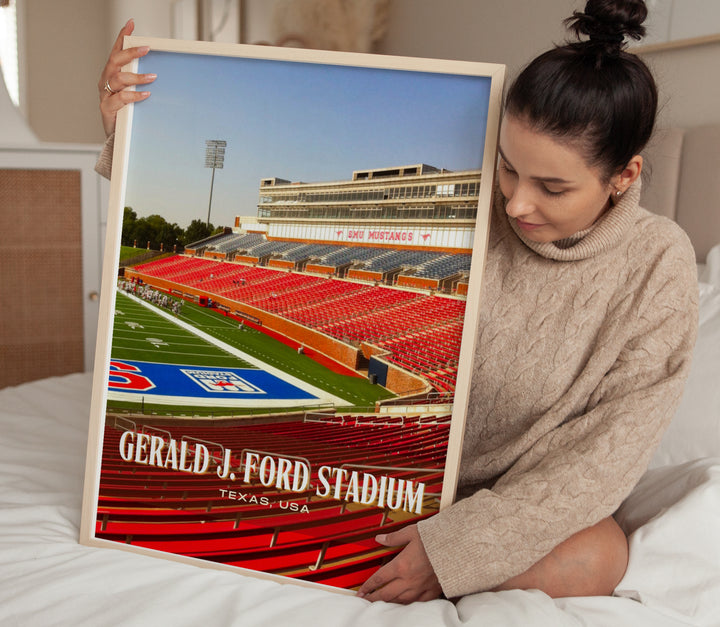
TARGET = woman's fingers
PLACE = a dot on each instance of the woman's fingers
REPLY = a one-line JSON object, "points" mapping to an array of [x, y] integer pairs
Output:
{"points": [[117, 54], [118, 59], [121, 80], [117, 101], [112, 104], [113, 75], [408, 577], [124, 32], [397, 538], [113, 83]]}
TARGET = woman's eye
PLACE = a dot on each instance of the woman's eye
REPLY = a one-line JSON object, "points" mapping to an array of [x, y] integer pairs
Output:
{"points": [[505, 167], [551, 192]]}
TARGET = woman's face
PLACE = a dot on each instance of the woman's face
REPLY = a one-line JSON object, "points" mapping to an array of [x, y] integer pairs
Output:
{"points": [[550, 191]]}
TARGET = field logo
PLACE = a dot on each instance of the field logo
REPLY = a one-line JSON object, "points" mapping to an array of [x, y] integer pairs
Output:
{"points": [[221, 381], [128, 377]]}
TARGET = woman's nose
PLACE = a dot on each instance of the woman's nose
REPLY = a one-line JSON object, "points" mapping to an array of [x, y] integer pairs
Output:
{"points": [[519, 203]]}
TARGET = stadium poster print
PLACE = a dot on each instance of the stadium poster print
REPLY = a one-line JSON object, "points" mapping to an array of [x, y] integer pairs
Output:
{"points": [[285, 375]]}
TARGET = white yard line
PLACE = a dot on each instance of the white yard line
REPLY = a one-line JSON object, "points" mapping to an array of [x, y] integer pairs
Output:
{"points": [[194, 401], [303, 385]]}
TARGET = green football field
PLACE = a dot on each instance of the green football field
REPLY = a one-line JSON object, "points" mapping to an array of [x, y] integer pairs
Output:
{"points": [[141, 334]]}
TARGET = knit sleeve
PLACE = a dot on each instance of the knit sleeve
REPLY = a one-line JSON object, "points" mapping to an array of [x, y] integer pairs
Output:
{"points": [[104, 163], [578, 473]]}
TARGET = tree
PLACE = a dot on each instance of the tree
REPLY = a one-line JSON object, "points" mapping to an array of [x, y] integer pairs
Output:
{"points": [[129, 219], [157, 230], [170, 235], [144, 234], [196, 231]]}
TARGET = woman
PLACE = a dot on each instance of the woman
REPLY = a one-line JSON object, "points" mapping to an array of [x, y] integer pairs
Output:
{"points": [[588, 318]]}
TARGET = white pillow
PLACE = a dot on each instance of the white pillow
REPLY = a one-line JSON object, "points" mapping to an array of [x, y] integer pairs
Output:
{"points": [[695, 429], [709, 272]]}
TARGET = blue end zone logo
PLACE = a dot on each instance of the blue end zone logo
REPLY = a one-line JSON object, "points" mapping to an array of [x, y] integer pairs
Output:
{"points": [[199, 385], [226, 382]]}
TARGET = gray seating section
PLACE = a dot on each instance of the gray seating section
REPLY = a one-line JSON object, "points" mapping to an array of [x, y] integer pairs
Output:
{"points": [[238, 243], [272, 248], [351, 254], [399, 259], [423, 264], [309, 251], [213, 240], [444, 266]]}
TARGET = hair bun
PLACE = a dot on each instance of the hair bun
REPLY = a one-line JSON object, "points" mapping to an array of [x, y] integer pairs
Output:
{"points": [[609, 22]]}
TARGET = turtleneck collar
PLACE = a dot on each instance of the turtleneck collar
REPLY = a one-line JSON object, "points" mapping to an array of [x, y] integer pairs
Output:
{"points": [[604, 235]]}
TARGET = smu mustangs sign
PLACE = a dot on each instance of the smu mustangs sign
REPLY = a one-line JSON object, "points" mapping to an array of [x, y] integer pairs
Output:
{"points": [[373, 234], [205, 386]]}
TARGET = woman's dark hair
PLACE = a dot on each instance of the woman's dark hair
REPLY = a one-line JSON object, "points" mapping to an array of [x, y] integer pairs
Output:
{"points": [[592, 91]]}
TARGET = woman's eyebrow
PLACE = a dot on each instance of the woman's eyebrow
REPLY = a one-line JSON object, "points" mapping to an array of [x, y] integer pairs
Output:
{"points": [[544, 179]]}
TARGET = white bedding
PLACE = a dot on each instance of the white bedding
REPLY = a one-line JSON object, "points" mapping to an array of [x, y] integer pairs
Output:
{"points": [[47, 578]]}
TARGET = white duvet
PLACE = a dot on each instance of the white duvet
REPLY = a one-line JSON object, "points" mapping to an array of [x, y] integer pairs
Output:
{"points": [[47, 578]]}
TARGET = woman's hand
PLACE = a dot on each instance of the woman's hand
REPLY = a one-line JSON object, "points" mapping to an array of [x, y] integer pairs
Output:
{"points": [[113, 81], [408, 577]]}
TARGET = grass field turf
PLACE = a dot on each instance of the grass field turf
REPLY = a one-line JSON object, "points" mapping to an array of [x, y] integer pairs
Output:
{"points": [[127, 252], [142, 335]]}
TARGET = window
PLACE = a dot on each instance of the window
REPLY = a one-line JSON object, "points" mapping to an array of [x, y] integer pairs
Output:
{"points": [[9, 49]]}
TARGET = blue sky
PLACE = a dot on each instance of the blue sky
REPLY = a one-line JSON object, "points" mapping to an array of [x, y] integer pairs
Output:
{"points": [[298, 121]]}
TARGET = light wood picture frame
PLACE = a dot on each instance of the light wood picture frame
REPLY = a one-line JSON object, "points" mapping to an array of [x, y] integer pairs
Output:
{"points": [[269, 398]]}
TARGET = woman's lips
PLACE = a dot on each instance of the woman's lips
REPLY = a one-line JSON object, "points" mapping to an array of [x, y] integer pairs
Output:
{"points": [[527, 226]]}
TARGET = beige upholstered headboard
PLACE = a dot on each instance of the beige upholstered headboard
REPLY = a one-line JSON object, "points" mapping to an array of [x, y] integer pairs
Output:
{"points": [[683, 182]]}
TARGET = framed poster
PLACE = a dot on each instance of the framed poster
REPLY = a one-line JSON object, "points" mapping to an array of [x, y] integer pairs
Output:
{"points": [[292, 273]]}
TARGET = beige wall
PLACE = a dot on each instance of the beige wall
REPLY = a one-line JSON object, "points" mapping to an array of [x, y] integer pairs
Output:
{"points": [[64, 47], [67, 43], [689, 89], [514, 31], [496, 31], [152, 17]]}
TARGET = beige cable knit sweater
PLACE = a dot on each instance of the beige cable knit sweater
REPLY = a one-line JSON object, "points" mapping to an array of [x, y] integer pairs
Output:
{"points": [[583, 349], [104, 163]]}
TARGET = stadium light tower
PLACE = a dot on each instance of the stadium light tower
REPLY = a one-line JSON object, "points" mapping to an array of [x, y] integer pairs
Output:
{"points": [[214, 158]]}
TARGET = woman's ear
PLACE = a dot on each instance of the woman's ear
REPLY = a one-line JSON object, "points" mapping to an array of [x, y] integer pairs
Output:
{"points": [[628, 176]]}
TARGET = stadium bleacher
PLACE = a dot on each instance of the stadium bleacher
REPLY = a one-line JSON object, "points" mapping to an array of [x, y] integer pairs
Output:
{"points": [[399, 259], [296, 534], [350, 254], [420, 332], [426, 264], [444, 266], [308, 251], [212, 240], [272, 248], [237, 243]]}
